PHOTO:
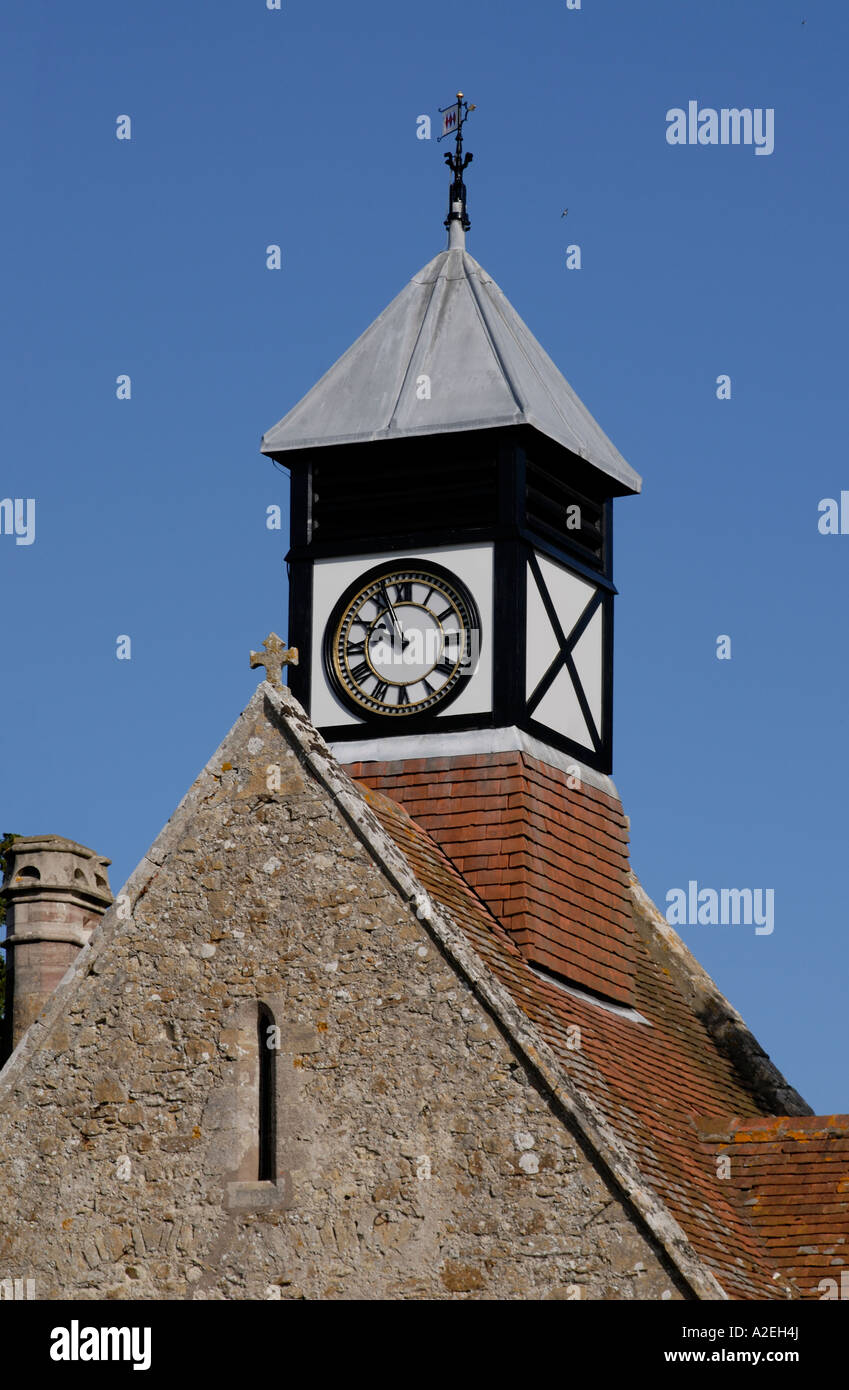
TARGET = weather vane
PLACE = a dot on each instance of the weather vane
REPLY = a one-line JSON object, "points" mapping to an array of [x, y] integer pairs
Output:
{"points": [[453, 120]]}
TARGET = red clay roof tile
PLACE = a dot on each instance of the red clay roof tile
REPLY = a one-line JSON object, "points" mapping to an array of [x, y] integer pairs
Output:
{"points": [[660, 1077], [563, 889]]}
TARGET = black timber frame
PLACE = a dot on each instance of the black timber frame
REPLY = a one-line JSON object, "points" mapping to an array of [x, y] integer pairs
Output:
{"points": [[505, 523]]}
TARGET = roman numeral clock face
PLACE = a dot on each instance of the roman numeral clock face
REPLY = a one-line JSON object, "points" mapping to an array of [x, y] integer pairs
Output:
{"points": [[402, 640]]}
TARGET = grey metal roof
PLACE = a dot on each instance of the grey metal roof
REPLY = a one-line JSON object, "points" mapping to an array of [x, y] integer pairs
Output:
{"points": [[453, 324]]}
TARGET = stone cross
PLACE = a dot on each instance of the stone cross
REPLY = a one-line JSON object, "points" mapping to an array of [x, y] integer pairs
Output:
{"points": [[274, 658]]}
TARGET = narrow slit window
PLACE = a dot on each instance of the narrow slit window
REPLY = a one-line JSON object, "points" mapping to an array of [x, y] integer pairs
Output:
{"points": [[267, 1054]]}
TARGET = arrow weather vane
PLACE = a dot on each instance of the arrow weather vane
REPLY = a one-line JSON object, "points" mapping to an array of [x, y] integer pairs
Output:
{"points": [[453, 120]]}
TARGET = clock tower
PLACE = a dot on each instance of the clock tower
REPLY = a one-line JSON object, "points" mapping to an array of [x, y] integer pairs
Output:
{"points": [[451, 582]]}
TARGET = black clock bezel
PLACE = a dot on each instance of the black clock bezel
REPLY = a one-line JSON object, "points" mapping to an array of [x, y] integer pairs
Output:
{"points": [[387, 568]]}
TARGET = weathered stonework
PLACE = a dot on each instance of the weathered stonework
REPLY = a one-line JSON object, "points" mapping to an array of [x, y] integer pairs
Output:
{"points": [[56, 892], [421, 1152]]}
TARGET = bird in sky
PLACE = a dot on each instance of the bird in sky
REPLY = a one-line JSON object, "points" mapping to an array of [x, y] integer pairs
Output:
{"points": [[564, 212]]}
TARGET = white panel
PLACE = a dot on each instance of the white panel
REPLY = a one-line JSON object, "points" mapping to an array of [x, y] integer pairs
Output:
{"points": [[559, 709], [543, 645], [471, 563], [587, 656], [569, 594]]}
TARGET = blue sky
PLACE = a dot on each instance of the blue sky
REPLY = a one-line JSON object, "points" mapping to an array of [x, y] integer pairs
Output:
{"points": [[298, 127]]}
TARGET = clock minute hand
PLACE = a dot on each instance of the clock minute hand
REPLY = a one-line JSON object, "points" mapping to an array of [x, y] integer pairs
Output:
{"points": [[386, 600]]}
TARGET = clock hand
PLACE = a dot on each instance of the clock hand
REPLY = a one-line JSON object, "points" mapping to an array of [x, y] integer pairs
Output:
{"points": [[394, 616]]}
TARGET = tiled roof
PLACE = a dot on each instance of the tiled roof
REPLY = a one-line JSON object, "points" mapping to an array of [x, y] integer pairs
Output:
{"points": [[548, 858], [661, 1079], [790, 1175]]}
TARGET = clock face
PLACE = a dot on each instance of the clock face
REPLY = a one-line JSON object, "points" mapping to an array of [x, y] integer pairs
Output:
{"points": [[402, 640]]}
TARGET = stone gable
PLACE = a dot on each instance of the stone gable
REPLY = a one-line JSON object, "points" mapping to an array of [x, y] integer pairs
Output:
{"points": [[419, 1153]]}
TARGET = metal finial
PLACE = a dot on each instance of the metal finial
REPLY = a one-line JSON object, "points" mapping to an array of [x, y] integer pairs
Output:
{"points": [[453, 120]]}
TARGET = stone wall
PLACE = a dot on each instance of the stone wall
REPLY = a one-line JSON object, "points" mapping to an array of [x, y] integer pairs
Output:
{"points": [[418, 1153]]}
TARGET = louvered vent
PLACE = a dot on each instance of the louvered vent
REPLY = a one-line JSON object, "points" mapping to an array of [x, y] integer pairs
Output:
{"points": [[550, 510], [438, 494]]}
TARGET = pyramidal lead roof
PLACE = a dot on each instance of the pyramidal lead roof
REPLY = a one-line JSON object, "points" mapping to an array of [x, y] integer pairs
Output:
{"points": [[452, 324]]}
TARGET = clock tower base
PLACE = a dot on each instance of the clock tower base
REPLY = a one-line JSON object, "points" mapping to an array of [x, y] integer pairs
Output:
{"points": [[542, 840]]}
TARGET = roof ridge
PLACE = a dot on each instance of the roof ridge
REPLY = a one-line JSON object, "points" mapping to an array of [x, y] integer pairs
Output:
{"points": [[521, 405], [433, 284], [508, 328]]}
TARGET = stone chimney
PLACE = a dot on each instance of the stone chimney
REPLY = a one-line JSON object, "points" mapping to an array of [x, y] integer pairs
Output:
{"points": [[56, 891]]}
